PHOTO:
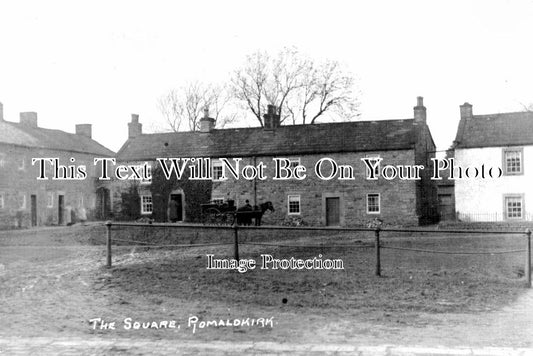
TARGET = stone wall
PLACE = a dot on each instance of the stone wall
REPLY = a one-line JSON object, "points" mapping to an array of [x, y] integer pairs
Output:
{"points": [[18, 183], [398, 197]]}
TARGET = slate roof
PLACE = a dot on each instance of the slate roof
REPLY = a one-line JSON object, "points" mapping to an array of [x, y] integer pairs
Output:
{"points": [[507, 129], [284, 140], [37, 137]]}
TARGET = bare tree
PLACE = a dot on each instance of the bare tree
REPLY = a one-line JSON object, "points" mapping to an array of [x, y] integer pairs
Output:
{"points": [[185, 106], [303, 91], [527, 107], [328, 90], [249, 83]]}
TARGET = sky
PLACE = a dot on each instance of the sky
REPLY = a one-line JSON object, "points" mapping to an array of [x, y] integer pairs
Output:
{"points": [[98, 61]]}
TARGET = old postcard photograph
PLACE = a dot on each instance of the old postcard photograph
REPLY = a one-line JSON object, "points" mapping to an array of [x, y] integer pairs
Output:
{"points": [[258, 178]]}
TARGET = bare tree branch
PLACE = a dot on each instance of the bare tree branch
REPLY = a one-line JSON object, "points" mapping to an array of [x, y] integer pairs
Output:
{"points": [[303, 90], [185, 106]]}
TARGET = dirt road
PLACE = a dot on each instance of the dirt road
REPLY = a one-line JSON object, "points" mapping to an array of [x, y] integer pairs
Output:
{"points": [[53, 284]]}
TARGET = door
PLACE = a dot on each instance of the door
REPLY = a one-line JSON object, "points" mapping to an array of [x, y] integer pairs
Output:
{"points": [[60, 209], [33, 210], [446, 207], [103, 203], [176, 208], [332, 211]]}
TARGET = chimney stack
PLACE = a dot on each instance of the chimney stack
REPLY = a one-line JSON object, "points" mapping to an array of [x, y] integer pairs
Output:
{"points": [[271, 118], [134, 127], [84, 130], [207, 123], [420, 111], [1, 112], [28, 118], [466, 111]]}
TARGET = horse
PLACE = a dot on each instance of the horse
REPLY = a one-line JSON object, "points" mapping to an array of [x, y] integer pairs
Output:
{"points": [[246, 213]]}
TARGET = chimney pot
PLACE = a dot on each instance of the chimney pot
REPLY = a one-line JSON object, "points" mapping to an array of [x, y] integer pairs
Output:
{"points": [[271, 119], [207, 123], [134, 127], [28, 118], [84, 130], [466, 111], [420, 110]]}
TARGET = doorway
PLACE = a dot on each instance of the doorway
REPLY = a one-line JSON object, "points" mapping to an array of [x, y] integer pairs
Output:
{"points": [[333, 211], [103, 203], [33, 201], [60, 209], [175, 207]]}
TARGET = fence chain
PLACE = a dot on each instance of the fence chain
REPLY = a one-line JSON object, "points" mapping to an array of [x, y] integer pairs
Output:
{"points": [[452, 252]]}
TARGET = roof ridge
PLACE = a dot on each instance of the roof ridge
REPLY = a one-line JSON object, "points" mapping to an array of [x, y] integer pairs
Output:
{"points": [[35, 132], [502, 114], [280, 127]]}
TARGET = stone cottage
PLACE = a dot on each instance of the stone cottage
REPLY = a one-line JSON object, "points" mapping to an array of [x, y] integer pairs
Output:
{"points": [[26, 200], [336, 190]]}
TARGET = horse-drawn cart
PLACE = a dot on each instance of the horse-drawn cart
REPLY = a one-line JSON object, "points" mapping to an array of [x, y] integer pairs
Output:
{"points": [[225, 213], [218, 213]]}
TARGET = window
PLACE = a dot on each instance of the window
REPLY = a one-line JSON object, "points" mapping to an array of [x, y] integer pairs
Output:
{"points": [[146, 204], [50, 199], [514, 207], [148, 173], [1, 200], [218, 170], [293, 204], [22, 165], [22, 201], [372, 203], [512, 161], [217, 200], [373, 162], [2, 160], [294, 162]]}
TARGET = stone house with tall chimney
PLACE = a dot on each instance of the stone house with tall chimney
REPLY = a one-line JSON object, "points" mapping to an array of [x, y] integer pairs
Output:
{"points": [[503, 142], [27, 201], [352, 201]]}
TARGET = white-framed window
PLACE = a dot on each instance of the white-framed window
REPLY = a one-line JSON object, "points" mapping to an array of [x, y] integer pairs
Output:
{"points": [[374, 157], [146, 204], [217, 200], [149, 174], [2, 200], [22, 201], [50, 199], [373, 203], [514, 206], [512, 161], [217, 169], [294, 162], [293, 204]]}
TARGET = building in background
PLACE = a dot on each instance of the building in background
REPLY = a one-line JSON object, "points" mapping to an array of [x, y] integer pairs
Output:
{"points": [[446, 193], [332, 202], [25, 200], [499, 141]]}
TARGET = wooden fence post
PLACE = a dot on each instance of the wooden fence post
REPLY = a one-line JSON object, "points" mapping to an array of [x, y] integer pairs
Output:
{"points": [[108, 243], [528, 259], [378, 257], [236, 243]]}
